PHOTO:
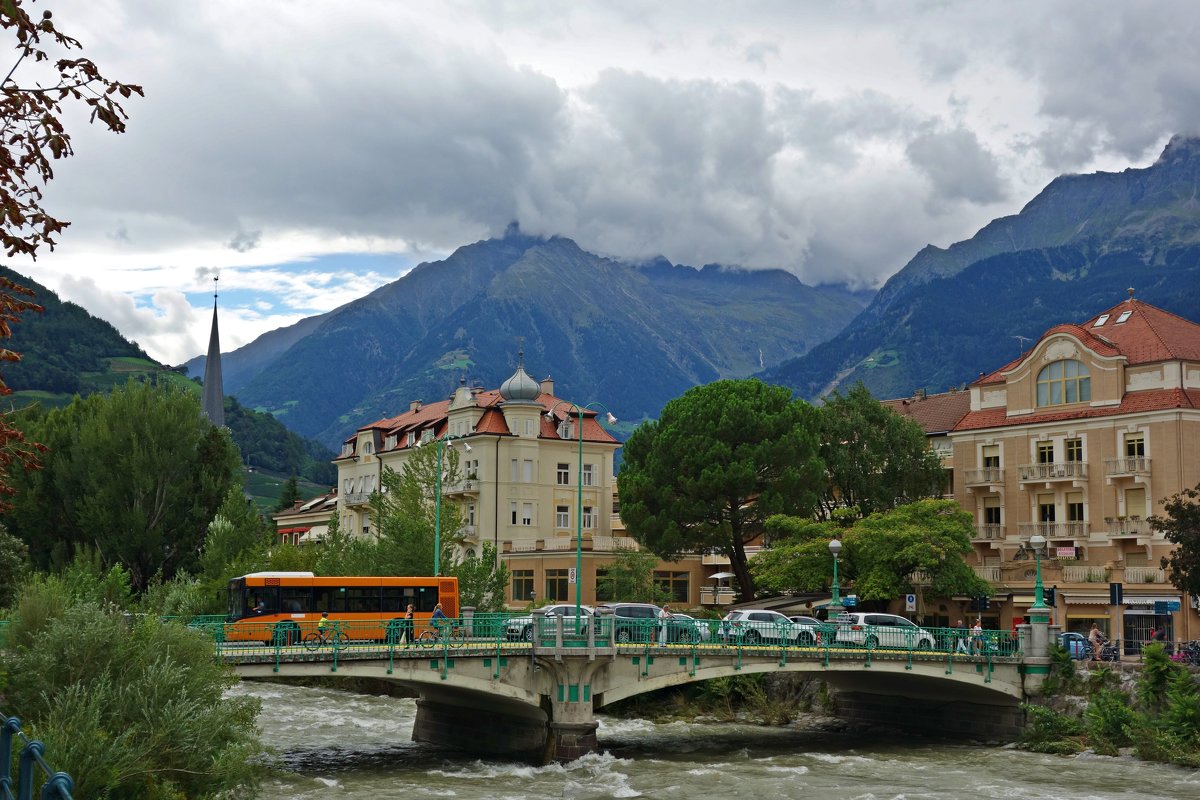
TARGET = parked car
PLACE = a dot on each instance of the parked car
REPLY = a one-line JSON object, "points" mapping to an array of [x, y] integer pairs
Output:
{"points": [[756, 626], [1077, 645], [882, 630], [686, 628], [521, 628], [634, 622]]}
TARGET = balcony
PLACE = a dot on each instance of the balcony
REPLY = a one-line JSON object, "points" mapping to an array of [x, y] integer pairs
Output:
{"points": [[714, 559], [559, 543], [1058, 471], [990, 574], [469, 533], [467, 486], [986, 476], [988, 533], [1145, 575], [356, 498], [1075, 573], [611, 544], [716, 597], [1133, 526], [1051, 530], [1126, 467]]}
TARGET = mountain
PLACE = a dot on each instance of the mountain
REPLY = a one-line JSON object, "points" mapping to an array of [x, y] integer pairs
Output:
{"points": [[1073, 250], [629, 335], [65, 351]]}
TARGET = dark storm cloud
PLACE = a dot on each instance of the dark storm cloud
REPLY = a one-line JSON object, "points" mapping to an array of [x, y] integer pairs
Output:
{"points": [[957, 165]]}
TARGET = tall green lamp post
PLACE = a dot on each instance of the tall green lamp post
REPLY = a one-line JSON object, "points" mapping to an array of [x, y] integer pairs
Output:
{"points": [[835, 601], [579, 412], [440, 443], [1039, 607]]}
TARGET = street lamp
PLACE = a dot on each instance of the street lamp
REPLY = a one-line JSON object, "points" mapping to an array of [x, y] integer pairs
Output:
{"points": [[579, 410], [1037, 542], [439, 444], [835, 602]]}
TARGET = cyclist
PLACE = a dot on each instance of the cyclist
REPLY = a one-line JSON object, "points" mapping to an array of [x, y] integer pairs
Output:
{"points": [[323, 625]]}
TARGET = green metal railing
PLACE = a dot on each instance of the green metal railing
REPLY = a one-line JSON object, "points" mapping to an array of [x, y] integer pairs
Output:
{"points": [[56, 785]]}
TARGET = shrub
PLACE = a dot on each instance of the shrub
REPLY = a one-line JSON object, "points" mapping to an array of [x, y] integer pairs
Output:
{"points": [[1109, 721], [1157, 669], [1048, 731]]}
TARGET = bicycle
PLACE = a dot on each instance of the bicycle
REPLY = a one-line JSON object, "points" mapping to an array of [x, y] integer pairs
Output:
{"points": [[453, 635], [334, 637]]}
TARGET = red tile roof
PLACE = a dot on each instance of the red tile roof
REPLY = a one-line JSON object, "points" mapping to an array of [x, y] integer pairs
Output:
{"points": [[935, 413], [1133, 402], [1147, 335]]}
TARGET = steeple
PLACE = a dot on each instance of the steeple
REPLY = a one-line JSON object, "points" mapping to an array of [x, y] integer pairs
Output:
{"points": [[212, 402]]}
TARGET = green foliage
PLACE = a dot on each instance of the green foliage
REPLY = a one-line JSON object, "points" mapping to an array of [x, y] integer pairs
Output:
{"points": [[482, 580], [237, 542], [182, 596], [137, 473], [289, 495], [1048, 731], [134, 709], [1109, 721], [1182, 714], [629, 578], [41, 600], [265, 443], [1157, 670], [873, 456], [880, 553], [14, 564], [1063, 676], [719, 461], [1180, 525]]}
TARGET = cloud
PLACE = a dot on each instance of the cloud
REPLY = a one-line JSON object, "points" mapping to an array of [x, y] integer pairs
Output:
{"points": [[245, 241], [957, 165]]}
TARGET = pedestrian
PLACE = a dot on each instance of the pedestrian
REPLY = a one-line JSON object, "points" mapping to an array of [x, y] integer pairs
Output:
{"points": [[977, 638], [1095, 639], [406, 627], [664, 614], [960, 635]]}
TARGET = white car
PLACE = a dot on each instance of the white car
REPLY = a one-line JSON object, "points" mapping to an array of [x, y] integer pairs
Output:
{"points": [[521, 628], [756, 626], [882, 630], [682, 625]]}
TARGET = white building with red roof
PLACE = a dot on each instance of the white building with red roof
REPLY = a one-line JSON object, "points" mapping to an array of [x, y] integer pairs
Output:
{"points": [[1080, 439]]}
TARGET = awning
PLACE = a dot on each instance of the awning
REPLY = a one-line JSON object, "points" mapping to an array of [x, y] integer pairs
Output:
{"points": [[315, 534], [1085, 598], [720, 576], [1024, 600], [283, 531], [1149, 601]]}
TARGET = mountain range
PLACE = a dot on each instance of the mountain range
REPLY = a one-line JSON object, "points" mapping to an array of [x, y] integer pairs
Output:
{"points": [[1072, 251], [632, 336]]}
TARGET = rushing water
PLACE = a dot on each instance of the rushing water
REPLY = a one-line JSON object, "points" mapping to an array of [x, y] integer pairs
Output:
{"points": [[335, 745]]}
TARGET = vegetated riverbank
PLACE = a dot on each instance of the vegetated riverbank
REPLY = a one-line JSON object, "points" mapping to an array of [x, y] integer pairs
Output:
{"points": [[1152, 713]]}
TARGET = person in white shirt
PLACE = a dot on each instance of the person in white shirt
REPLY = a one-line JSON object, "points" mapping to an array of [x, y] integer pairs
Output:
{"points": [[664, 615]]}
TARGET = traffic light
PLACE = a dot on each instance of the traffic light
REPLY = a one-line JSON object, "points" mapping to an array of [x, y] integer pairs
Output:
{"points": [[1051, 596], [985, 603]]}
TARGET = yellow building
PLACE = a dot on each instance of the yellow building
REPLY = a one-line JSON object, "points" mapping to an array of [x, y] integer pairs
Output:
{"points": [[519, 454], [1080, 439]]}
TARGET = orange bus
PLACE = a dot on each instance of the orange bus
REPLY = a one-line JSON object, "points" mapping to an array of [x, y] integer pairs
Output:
{"points": [[283, 606]]}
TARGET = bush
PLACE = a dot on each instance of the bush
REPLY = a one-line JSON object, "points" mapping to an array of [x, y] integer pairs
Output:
{"points": [[1062, 677], [134, 708], [1048, 731], [1109, 721], [1157, 670]]}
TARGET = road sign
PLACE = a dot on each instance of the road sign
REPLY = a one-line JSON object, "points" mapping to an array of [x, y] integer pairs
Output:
{"points": [[910, 602], [571, 576], [850, 601]]}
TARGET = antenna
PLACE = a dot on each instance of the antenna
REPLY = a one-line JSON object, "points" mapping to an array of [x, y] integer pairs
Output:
{"points": [[1021, 340]]}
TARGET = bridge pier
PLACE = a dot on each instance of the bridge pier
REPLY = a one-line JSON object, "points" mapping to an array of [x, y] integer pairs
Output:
{"points": [[480, 730]]}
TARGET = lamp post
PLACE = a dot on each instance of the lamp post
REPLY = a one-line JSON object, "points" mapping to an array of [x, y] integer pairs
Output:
{"points": [[1037, 542], [579, 412], [439, 444], [835, 602]]}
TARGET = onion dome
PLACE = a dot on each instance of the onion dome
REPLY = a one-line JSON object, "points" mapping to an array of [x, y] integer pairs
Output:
{"points": [[520, 387]]}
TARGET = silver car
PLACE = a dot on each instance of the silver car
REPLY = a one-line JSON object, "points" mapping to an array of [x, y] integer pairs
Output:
{"points": [[882, 630], [757, 626], [521, 628]]}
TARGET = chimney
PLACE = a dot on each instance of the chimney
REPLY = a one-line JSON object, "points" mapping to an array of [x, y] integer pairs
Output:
{"points": [[415, 405], [919, 394], [547, 385]]}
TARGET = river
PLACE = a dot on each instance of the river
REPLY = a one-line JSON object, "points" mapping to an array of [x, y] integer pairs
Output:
{"points": [[335, 745]]}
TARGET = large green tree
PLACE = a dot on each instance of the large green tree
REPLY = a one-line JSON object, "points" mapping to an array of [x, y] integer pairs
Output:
{"points": [[1180, 525], [718, 462], [873, 456], [919, 547], [137, 474]]}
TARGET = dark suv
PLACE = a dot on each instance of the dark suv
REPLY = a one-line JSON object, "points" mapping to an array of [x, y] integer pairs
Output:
{"points": [[633, 622]]}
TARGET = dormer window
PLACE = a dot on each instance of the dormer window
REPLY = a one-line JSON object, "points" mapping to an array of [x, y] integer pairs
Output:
{"points": [[427, 435], [390, 443], [1125, 315], [566, 429], [1103, 318], [368, 447], [1063, 382], [411, 439]]}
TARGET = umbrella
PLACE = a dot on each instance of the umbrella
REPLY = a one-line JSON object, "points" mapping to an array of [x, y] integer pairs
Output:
{"points": [[721, 576]]}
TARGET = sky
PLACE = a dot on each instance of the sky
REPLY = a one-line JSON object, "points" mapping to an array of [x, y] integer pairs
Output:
{"points": [[309, 152]]}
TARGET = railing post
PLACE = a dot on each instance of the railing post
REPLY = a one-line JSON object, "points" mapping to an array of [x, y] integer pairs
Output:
{"points": [[10, 727]]}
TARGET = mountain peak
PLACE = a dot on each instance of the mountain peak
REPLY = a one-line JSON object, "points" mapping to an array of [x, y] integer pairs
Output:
{"points": [[1182, 147]]}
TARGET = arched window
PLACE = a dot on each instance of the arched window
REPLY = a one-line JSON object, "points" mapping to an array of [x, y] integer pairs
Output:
{"points": [[1063, 382]]}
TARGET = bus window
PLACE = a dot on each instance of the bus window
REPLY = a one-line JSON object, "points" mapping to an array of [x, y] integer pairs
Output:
{"points": [[295, 599], [395, 599], [237, 599], [329, 598], [426, 598], [363, 600]]}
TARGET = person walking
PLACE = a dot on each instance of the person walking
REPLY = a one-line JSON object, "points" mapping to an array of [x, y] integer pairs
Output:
{"points": [[664, 615], [406, 627], [977, 638], [960, 635]]}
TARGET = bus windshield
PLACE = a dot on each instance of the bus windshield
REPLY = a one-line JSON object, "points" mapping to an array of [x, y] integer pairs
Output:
{"points": [[237, 598]]}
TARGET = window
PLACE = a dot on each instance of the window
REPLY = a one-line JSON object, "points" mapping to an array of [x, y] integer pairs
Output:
{"points": [[368, 447], [556, 584], [1063, 382], [410, 439], [675, 584], [564, 474], [427, 435], [470, 513], [1075, 507], [991, 456], [562, 516], [527, 514], [606, 585], [566, 430], [512, 507], [1045, 452], [589, 475], [472, 469], [1135, 503], [1135, 445], [529, 427], [1125, 315], [1045, 508], [991, 511], [390, 444], [514, 470], [527, 474], [1100, 320], [522, 584], [1074, 449], [589, 517]]}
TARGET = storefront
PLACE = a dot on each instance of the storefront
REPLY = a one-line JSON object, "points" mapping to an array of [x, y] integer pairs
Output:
{"points": [[1146, 614], [1085, 609]]}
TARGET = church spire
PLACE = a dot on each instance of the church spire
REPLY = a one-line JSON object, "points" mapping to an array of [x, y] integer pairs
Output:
{"points": [[212, 402]]}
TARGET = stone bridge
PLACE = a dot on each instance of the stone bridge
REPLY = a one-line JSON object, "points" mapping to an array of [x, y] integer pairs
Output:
{"points": [[535, 700]]}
